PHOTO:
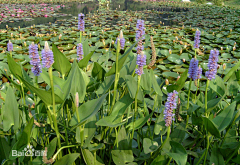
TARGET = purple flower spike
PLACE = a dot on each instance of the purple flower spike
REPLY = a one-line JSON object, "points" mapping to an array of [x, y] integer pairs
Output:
{"points": [[139, 33], [170, 105], [122, 40], [141, 61], [212, 64], [199, 72], [193, 68], [47, 56], [197, 39], [81, 22], [35, 61], [10, 46], [80, 52]]}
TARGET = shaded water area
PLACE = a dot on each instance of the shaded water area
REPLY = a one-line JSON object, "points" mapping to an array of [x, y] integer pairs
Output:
{"points": [[73, 9]]}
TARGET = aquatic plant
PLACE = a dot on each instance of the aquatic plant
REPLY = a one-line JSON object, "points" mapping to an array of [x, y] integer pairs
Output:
{"points": [[35, 60], [170, 105], [47, 56]]}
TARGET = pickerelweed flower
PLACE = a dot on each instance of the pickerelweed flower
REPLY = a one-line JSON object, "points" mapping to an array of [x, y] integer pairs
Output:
{"points": [[192, 71], [139, 33], [80, 52], [10, 46], [122, 40], [199, 72], [81, 22], [170, 105], [35, 61], [141, 61], [212, 64], [197, 39], [47, 56]]}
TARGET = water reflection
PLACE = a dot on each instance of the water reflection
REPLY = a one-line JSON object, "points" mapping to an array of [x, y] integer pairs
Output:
{"points": [[75, 8]]}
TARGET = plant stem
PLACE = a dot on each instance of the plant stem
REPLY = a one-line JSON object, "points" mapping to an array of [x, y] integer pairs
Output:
{"points": [[116, 77], [206, 150], [195, 98], [190, 84], [135, 111], [206, 97], [80, 36], [54, 115]]}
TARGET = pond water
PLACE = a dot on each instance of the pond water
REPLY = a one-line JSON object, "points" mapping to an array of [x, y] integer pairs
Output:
{"points": [[73, 9]]}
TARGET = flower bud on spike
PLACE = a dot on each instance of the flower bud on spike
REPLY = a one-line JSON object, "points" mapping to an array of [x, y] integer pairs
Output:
{"points": [[166, 82], [77, 100], [224, 66]]}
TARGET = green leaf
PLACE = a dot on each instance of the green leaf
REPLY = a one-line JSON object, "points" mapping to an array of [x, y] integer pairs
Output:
{"points": [[160, 124], [78, 83], [89, 158], [149, 145], [121, 106], [233, 69], [178, 153], [14, 67], [160, 160], [179, 84], [26, 134], [46, 96], [218, 86], [67, 159], [105, 85], [216, 157], [155, 84], [179, 133], [211, 127], [4, 148], [10, 112], [85, 47], [225, 117], [232, 88], [84, 62], [139, 122], [51, 147], [98, 71], [61, 62], [146, 80], [132, 87], [87, 110], [120, 61], [110, 121]]}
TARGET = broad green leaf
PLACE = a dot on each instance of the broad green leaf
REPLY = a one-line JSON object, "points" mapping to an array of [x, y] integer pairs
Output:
{"points": [[85, 47], [124, 153], [110, 121], [121, 105], [233, 69], [132, 87], [14, 67], [146, 80], [155, 84], [120, 61], [149, 145], [139, 122], [51, 147], [213, 103], [232, 88], [105, 85], [98, 71], [179, 84], [160, 160], [225, 117], [211, 127], [216, 157], [78, 83], [61, 62], [26, 134], [84, 62], [178, 153], [179, 133], [46, 96], [67, 159], [10, 112], [89, 158], [218, 86], [160, 124], [87, 110], [4, 148]]}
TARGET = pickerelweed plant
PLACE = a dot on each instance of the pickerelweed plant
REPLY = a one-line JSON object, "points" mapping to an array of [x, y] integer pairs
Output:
{"points": [[79, 111]]}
